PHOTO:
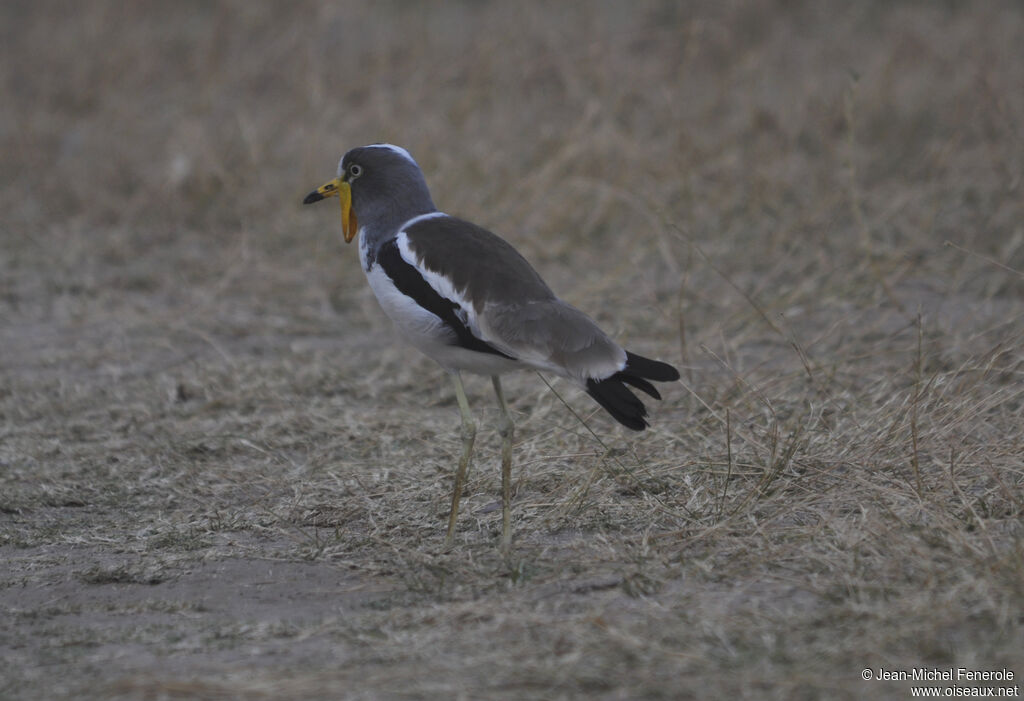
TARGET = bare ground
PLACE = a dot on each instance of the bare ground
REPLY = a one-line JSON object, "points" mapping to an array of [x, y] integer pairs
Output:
{"points": [[221, 476]]}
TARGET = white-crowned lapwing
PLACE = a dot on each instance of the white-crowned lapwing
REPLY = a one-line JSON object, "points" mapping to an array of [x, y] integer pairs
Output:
{"points": [[470, 301]]}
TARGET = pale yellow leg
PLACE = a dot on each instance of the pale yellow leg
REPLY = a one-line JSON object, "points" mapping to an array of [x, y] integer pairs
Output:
{"points": [[506, 428], [468, 436]]}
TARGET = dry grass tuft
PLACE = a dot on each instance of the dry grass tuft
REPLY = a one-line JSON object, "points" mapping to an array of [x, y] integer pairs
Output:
{"points": [[220, 476]]}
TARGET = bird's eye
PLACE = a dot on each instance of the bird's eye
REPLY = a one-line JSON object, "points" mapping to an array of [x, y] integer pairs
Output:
{"points": [[355, 170]]}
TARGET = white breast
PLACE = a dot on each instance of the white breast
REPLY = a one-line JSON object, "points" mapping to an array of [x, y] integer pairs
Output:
{"points": [[415, 322]]}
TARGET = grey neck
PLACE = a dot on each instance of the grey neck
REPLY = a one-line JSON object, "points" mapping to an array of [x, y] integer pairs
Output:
{"points": [[383, 222], [386, 211]]}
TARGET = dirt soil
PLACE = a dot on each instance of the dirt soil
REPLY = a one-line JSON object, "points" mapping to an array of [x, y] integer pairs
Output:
{"points": [[223, 476]]}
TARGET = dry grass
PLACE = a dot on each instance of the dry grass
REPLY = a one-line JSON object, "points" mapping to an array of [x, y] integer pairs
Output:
{"points": [[220, 477]]}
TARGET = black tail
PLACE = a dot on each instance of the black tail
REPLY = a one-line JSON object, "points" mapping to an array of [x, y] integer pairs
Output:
{"points": [[612, 393]]}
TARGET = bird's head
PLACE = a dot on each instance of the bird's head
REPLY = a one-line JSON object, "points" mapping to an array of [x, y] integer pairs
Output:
{"points": [[377, 184]]}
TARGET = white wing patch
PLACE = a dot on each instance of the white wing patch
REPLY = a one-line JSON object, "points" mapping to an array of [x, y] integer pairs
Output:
{"points": [[441, 284]]}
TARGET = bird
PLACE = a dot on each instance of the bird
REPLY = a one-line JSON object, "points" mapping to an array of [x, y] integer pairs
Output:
{"points": [[469, 300]]}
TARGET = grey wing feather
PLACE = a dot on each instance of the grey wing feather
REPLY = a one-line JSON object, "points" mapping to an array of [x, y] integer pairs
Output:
{"points": [[539, 329], [552, 335]]}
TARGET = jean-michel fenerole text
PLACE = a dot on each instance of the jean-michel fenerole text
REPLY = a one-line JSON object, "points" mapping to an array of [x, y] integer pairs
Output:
{"points": [[934, 674]]}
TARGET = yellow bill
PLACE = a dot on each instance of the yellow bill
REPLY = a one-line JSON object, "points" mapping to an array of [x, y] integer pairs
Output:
{"points": [[349, 223]]}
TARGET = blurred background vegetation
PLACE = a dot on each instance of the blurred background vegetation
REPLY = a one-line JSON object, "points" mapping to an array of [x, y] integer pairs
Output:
{"points": [[142, 141]]}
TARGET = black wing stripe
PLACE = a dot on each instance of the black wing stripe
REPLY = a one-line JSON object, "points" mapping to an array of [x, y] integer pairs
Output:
{"points": [[410, 283]]}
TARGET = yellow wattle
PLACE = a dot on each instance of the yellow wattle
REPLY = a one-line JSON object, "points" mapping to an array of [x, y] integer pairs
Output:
{"points": [[349, 223]]}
